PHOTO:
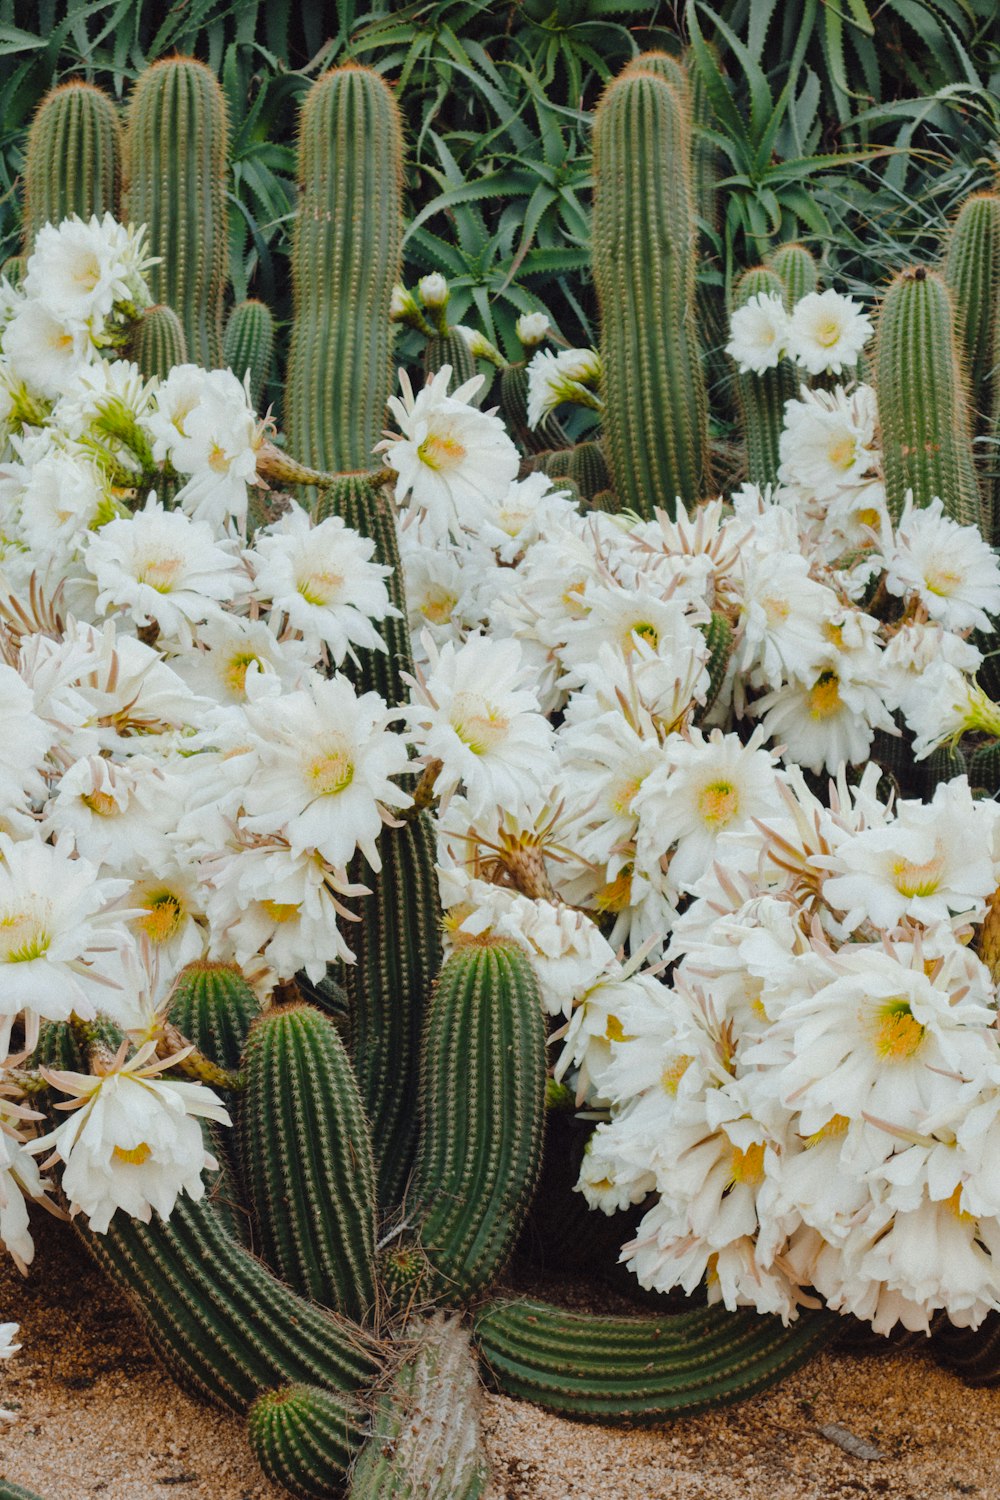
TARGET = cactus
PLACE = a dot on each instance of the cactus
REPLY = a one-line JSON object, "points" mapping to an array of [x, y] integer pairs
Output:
{"points": [[450, 348], [9, 1491], [306, 1158], [719, 635], [922, 399], [972, 274], [157, 342], [640, 1369], [13, 269], [796, 268], [514, 409], [345, 261], [175, 183], [984, 768], [222, 1322], [214, 1007], [248, 346], [73, 159], [305, 1437], [946, 762], [762, 397], [425, 1444], [584, 465], [973, 1353], [645, 244], [482, 1100]]}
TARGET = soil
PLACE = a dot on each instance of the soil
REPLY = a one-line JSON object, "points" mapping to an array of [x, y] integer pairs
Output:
{"points": [[97, 1416]]}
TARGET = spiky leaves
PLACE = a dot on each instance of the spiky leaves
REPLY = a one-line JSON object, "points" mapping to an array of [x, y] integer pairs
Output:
{"points": [[923, 400], [73, 160], [175, 183], [306, 1158], [645, 243], [641, 1369], [345, 261], [483, 1109]]}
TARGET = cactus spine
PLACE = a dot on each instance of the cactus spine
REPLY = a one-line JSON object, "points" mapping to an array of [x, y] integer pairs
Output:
{"points": [[304, 1438], [584, 465], [645, 243], [762, 397], [9, 1491], [175, 183], [922, 399], [307, 1160], [214, 1007], [222, 1322], [248, 345], [345, 261], [719, 635], [797, 269], [448, 347], [73, 160], [642, 1369], [972, 273], [483, 1110], [425, 1444], [157, 342]]}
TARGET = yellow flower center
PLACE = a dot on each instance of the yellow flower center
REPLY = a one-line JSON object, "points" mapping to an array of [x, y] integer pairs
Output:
{"points": [[841, 452], [86, 270], [161, 573], [320, 588], [671, 1076], [747, 1166], [777, 610], [235, 675], [646, 632], [718, 803], [439, 607], [836, 1126], [898, 1034], [617, 894], [868, 517], [22, 937], [622, 796], [955, 1204], [101, 803], [136, 1156], [441, 451], [942, 581], [478, 724], [218, 460], [164, 916], [331, 773], [281, 911], [614, 1031], [824, 696], [827, 333], [911, 879]]}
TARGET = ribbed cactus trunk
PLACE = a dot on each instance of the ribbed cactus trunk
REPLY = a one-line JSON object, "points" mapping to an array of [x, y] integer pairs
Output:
{"points": [[762, 397], [796, 267], [248, 346], [176, 145], [645, 244], [923, 399], [304, 1438], [73, 160], [972, 273], [345, 261], [157, 342]]}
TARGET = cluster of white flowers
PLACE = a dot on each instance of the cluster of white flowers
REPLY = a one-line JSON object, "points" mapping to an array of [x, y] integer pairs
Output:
{"points": [[609, 788], [184, 775], [824, 332]]}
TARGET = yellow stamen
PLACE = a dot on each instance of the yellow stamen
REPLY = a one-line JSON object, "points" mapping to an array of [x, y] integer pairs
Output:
{"points": [[718, 803], [671, 1076], [235, 675], [281, 911], [101, 803], [136, 1156], [747, 1166], [331, 773], [911, 879], [824, 696], [615, 1031], [320, 588], [898, 1034], [161, 573], [828, 333], [836, 1126], [22, 938], [164, 916], [439, 450], [841, 453]]}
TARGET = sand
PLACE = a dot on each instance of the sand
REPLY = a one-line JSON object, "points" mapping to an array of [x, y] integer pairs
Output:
{"points": [[97, 1416]]}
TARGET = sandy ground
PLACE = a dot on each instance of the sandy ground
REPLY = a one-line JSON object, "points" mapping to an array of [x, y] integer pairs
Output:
{"points": [[98, 1417]]}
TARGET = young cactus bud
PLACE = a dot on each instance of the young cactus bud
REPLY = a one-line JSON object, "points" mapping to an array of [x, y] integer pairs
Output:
{"points": [[73, 159], [304, 1438]]}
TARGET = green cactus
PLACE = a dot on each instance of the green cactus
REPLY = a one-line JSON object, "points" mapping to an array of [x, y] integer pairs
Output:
{"points": [[922, 399], [945, 763], [483, 1108], [984, 768], [972, 274], [450, 348], [514, 409], [345, 262], [645, 248], [176, 143], [305, 1437], [248, 346], [213, 1006], [13, 269], [761, 398], [719, 635], [425, 1444], [641, 1369], [73, 159], [9, 1491], [157, 342], [398, 950], [973, 1353], [222, 1322], [797, 270], [584, 465], [306, 1159]]}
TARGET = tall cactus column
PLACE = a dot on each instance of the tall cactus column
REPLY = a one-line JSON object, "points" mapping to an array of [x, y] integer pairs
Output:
{"points": [[73, 162], [645, 243], [345, 261], [762, 397], [175, 183]]}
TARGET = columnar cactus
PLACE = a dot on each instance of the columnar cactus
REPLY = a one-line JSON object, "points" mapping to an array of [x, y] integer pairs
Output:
{"points": [[73, 159], [175, 183], [796, 267], [923, 399], [345, 262], [762, 397], [214, 1007], [248, 346], [645, 244], [157, 343], [972, 273], [304, 1438]]}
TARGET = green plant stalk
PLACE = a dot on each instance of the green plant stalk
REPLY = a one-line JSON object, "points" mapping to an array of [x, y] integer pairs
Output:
{"points": [[645, 248], [346, 258], [641, 1369], [73, 158], [306, 1158], [923, 401], [761, 398], [176, 144]]}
